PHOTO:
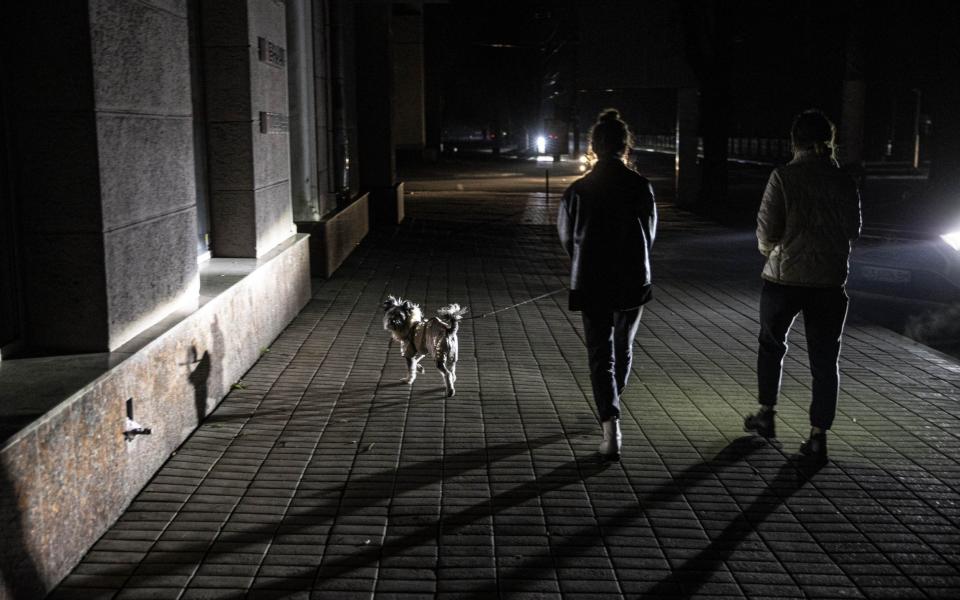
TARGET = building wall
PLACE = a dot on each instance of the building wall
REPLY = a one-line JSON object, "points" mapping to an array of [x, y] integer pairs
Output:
{"points": [[101, 119], [105, 111], [69, 475], [144, 135], [248, 126], [104, 181], [54, 180]]}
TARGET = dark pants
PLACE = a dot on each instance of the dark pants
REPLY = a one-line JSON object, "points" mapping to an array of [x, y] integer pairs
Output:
{"points": [[609, 336], [824, 313]]}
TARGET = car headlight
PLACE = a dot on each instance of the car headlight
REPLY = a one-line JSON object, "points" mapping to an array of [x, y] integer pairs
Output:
{"points": [[541, 144], [953, 239]]}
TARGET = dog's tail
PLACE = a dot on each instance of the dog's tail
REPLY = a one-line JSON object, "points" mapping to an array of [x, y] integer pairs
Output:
{"points": [[451, 315]]}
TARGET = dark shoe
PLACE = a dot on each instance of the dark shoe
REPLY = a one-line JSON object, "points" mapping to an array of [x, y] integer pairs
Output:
{"points": [[761, 423], [605, 459], [815, 448]]}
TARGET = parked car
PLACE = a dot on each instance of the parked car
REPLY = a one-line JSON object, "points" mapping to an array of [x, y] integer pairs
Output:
{"points": [[905, 270], [904, 264]]}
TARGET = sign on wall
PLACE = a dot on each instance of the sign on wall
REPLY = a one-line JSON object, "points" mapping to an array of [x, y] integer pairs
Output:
{"points": [[271, 53], [274, 123]]}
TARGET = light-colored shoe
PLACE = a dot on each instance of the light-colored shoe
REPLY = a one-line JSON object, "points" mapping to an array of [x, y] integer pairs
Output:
{"points": [[612, 439]]}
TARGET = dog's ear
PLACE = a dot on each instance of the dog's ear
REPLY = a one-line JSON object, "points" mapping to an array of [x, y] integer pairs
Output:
{"points": [[408, 305], [389, 303]]}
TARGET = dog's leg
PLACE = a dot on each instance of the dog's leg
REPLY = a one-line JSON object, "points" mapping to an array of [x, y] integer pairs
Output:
{"points": [[412, 365], [451, 356], [452, 367], [447, 377]]}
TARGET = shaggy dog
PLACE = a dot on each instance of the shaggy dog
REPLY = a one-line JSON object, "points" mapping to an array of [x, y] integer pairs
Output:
{"points": [[436, 336]]}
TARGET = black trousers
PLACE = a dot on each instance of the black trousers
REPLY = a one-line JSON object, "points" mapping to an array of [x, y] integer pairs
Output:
{"points": [[824, 314], [609, 336]]}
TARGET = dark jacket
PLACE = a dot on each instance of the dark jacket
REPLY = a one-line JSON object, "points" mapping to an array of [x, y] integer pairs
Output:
{"points": [[809, 215], [607, 223]]}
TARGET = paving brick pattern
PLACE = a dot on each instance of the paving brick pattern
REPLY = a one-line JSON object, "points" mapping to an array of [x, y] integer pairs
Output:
{"points": [[323, 476]]}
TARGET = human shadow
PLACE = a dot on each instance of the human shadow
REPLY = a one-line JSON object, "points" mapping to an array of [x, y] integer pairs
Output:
{"points": [[406, 478], [253, 414], [571, 472], [19, 572], [206, 376], [686, 580], [661, 496], [339, 566], [199, 378]]}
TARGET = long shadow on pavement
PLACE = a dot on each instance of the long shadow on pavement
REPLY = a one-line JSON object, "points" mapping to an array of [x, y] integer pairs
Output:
{"points": [[571, 472], [405, 479], [690, 578], [409, 478]]}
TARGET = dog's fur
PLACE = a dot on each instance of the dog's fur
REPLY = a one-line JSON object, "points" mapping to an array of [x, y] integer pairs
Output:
{"points": [[436, 337]]}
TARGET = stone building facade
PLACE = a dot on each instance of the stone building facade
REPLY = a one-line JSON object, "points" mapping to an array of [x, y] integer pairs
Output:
{"points": [[170, 173]]}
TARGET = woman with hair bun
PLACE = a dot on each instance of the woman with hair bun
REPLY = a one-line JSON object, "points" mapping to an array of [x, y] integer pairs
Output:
{"points": [[607, 223]]}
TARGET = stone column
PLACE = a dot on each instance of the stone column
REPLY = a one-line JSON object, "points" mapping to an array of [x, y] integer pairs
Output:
{"points": [[343, 101], [304, 181], [375, 99], [245, 62], [323, 90], [686, 170], [408, 106], [942, 101], [102, 121], [434, 38], [854, 92]]}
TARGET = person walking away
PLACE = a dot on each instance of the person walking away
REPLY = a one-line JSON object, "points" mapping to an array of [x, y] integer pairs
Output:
{"points": [[807, 222], [607, 223]]}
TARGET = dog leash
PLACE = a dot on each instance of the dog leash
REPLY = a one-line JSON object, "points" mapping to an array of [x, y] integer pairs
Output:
{"points": [[499, 310]]}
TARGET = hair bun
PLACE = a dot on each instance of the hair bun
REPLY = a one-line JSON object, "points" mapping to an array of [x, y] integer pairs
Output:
{"points": [[611, 114]]}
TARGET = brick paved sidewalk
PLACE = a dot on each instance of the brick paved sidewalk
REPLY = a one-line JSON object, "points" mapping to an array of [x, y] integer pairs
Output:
{"points": [[322, 476]]}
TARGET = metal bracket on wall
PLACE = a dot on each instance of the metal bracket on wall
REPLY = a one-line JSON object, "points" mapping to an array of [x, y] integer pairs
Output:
{"points": [[131, 428]]}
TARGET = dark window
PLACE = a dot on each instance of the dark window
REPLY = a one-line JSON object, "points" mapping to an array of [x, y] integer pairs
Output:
{"points": [[199, 129]]}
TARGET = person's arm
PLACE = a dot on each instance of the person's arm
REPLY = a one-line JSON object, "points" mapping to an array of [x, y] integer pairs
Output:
{"points": [[771, 218], [853, 219], [652, 219], [565, 220]]}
